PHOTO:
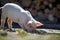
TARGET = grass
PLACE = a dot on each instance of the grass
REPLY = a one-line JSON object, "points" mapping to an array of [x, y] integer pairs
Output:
{"points": [[30, 36], [23, 35], [3, 38]]}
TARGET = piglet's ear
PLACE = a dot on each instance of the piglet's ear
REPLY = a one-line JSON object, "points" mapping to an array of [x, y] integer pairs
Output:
{"points": [[38, 24]]}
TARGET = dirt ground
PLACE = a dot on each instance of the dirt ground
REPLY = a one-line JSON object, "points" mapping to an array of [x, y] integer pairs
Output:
{"points": [[32, 36]]}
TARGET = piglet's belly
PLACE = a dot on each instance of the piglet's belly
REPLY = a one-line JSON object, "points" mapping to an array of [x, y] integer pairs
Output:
{"points": [[13, 16]]}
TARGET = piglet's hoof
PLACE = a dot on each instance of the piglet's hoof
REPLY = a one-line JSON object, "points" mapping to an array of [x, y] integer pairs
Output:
{"points": [[1, 28], [11, 30]]}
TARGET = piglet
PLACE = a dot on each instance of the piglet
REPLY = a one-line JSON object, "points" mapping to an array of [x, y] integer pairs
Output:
{"points": [[16, 13]]}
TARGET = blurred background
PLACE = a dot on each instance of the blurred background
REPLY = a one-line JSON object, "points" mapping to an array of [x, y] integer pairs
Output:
{"points": [[45, 11]]}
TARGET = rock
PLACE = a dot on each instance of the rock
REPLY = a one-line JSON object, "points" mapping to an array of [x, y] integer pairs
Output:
{"points": [[3, 33]]}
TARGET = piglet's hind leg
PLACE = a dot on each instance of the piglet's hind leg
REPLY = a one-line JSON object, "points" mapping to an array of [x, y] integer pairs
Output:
{"points": [[3, 18]]}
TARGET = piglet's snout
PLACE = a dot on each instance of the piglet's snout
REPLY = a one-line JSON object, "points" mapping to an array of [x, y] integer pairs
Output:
{"points": [[38, 24]]}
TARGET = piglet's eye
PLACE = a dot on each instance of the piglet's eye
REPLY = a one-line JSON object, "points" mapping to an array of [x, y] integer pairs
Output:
{"points": [[30, 25]]}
